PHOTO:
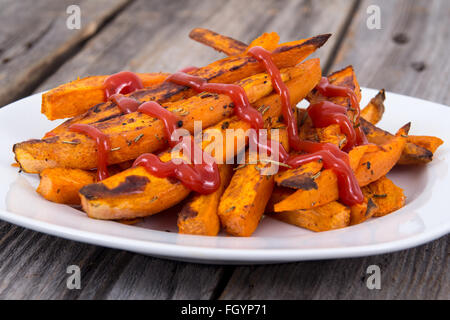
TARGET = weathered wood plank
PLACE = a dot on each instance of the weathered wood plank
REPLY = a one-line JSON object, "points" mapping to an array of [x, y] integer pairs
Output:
{"points": [[153, 36], [408, 55], [420, 273], [380, 62], [34, 39]]}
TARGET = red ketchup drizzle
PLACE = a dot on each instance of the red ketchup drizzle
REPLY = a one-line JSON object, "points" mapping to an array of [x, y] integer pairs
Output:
{"points": [[332, 157], [188, 69], [103, 147], [125, 104], [329, 90], [326, 113], [123, 82], [203, 178], [242, 107]]}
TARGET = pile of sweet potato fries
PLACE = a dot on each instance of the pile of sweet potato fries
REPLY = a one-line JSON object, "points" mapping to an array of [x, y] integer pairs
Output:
{"points": [[307, 196]]}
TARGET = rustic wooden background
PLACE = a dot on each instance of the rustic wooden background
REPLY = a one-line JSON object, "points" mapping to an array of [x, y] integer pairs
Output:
{"points": [[408, 55]]}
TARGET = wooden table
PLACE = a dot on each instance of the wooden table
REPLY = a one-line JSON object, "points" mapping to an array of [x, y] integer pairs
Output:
{"points": [[408, 55]]}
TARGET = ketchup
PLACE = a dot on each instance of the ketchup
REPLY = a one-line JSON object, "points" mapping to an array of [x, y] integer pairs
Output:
{"points": [[326, 113], [123, 82], [169, 119], [188, 69], [329, 90], [125, 104], [203, 178], [332, 157], [236, 93], [103, 147]]}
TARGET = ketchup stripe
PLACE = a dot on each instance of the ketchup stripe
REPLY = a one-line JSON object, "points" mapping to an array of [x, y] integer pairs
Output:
{"points": [[103, 146], [123, 82], [125, 104], [201, 177], [204, 177], [349, 191]]}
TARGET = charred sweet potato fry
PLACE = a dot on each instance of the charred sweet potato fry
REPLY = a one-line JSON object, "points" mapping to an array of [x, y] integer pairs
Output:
{"points": [[428, 142], [322, 190], [375, 164], [199, 214], [61, 185], [278, 194], [386, 196], [76, 97], [355, 155], [268, 41], [415, 155], [221, 43], [412, 154], [362, 211], [244, 200], [299, 88], [299, 178], [374, 111], [131, 194], [330, 216]]}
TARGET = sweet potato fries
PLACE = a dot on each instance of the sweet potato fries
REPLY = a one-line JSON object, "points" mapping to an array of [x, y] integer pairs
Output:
{"points": [[306, 196]]}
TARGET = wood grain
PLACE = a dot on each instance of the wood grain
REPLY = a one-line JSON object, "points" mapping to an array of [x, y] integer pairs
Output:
{"points": [[34, 39], [408, 55]]}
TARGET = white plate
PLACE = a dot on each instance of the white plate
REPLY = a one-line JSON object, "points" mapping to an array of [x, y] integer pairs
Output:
{"points": [[425, 217]]}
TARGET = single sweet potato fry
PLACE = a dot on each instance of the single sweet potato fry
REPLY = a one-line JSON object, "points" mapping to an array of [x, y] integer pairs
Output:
{"points": [[412, 153], [355, 155], [428, 142], [299, 178], [243, 202], [374, 111], [386, 196], [415, 155], [221, 43], [362, 211], [375, 164], [76, 97], [278, 194], [61, 185], [330, 216], [199, 214], [268, 41], [324, 189]]}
